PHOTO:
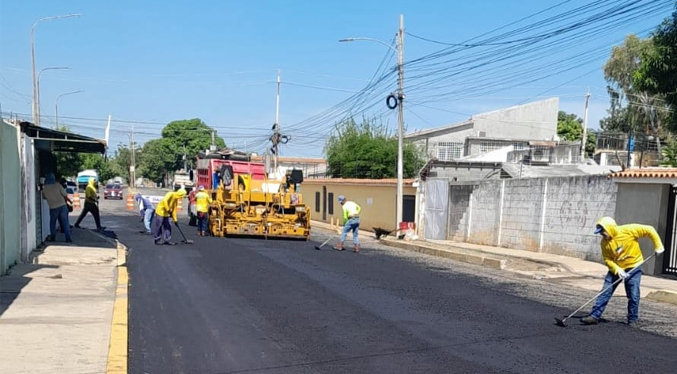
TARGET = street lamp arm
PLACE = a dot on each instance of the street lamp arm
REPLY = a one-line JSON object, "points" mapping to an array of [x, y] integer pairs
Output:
{"points": [[370, 40]]}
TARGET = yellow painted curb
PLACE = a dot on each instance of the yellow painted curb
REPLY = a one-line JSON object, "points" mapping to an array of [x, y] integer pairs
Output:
{"points": [[117, 350]]}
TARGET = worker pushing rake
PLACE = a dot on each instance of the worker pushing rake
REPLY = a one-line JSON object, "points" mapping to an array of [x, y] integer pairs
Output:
{"points": [[623, 256]]}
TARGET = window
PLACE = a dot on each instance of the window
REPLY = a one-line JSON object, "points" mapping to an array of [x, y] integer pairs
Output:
{"points": [[491, 146], [317, 202], [447, 151], [331, 203], [520, 146]]}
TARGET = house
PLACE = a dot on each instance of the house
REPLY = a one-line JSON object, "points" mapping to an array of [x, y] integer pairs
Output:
{"points": [[486, 132]]}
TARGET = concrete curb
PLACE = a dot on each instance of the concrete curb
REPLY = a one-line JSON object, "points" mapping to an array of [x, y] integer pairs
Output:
{"points": [[493, 262], [663, 296], [118, 346]]}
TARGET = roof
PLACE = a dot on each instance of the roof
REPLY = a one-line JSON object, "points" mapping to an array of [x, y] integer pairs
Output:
{"points": [[664, 172], [516, 170], [453, 126], [60, 141], [356, 181]]}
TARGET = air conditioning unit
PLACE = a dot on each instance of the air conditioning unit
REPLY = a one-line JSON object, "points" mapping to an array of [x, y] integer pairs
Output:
{"points": [[482, 134]]}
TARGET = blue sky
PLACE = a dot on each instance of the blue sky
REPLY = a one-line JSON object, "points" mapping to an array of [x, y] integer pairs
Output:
{"points": [[152, 62]]}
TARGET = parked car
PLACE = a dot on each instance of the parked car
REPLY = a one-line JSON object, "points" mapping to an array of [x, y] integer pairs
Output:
{"points": [[112, 191]]}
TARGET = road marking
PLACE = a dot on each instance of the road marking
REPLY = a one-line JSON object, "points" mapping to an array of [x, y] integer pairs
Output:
{"points": [[117, 350]]}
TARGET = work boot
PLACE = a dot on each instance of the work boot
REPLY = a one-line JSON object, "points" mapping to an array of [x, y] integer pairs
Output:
{"points": [[589, 320], [357, 248], [339, 247], [633, 324]]}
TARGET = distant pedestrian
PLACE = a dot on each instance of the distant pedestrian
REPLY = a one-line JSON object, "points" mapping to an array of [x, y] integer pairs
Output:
{"points": [[167, 208], [91, 205], [56, 197], [202, 202], [621, 253], [69, 203], [147, 211], [351, 222]]}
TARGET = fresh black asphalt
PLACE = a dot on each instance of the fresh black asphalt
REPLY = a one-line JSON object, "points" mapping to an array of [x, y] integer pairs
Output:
{"points": [[240, 305]]}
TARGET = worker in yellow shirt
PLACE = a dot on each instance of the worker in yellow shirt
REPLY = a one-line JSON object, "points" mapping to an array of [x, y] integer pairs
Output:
{"points": [[202, 202], [622, 254], [166, 208], [351, 222]]}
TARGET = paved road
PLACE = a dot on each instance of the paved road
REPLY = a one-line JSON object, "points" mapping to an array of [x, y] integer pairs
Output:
{"points": [[256, 306]]}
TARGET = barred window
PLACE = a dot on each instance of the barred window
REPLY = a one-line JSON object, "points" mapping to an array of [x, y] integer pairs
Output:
{"points": [[520, 146], [447, 151], [490, 146]]}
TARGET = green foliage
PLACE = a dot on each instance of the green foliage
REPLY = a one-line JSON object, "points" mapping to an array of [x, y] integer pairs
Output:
{"points": [[570, 128], [158, 159], [98, 163], [669, 154], [657, 72], [367, 150], [194, 134], [631, 108]]}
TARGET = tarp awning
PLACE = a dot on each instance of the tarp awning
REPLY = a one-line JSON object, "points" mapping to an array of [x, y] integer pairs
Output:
{"points": [[60, 141]]}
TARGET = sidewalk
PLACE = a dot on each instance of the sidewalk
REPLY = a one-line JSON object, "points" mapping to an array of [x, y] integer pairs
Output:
{"points": [[56, 312], [564, 270]]}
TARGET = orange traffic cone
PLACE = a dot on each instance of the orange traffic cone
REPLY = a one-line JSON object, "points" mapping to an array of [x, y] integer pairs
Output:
{"points": [[180, 207], [130, 202], [76, 200]]}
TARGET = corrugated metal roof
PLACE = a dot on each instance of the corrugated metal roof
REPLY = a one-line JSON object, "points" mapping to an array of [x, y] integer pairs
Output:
{"points": [[646, 173]]}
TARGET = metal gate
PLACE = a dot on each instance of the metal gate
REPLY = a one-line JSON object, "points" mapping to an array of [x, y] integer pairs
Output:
{"points": [[436, 204], [670, 255]]}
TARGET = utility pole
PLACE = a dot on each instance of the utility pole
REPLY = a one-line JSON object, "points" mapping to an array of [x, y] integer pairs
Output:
{"points": [[213, 148], [132, 160], [400, 118], [584, 141], [275, 138], [185, 159]]}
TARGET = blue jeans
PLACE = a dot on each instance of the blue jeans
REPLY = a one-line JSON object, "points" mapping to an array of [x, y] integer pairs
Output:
{"points": [[60, 213], [631, 289], [202, 219], [148, 218], [354, 225]]}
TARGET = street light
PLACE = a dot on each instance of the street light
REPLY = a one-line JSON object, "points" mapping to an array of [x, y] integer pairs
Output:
{"points": [[399, 105], [36, 115], [56, 107], [38, 82]]}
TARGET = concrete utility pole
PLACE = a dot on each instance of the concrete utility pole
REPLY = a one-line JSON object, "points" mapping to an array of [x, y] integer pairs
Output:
{"points": [[584, 141], [213, 147], [132, 160], [56, 107], [276, 126], [185, 159], [400, 119], [400, 110], [36, 108]]}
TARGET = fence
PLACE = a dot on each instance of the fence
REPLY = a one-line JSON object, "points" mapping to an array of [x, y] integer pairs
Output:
{"points": [[553, 215]]}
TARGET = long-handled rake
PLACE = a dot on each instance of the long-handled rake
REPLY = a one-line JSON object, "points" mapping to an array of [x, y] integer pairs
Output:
{"points": [[562, 321], [187, 241], [318, 247]]}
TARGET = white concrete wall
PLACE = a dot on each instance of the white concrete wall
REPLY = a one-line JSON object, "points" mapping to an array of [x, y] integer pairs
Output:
{"points": [[534, 121], [554, 215]]}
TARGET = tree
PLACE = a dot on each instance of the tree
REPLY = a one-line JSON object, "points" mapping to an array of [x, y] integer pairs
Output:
{"points": [[158, 159], [657, 72], [68, 164], [367, 150], [194, 134], [99, 163], [633, 109], [570, 128]]}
